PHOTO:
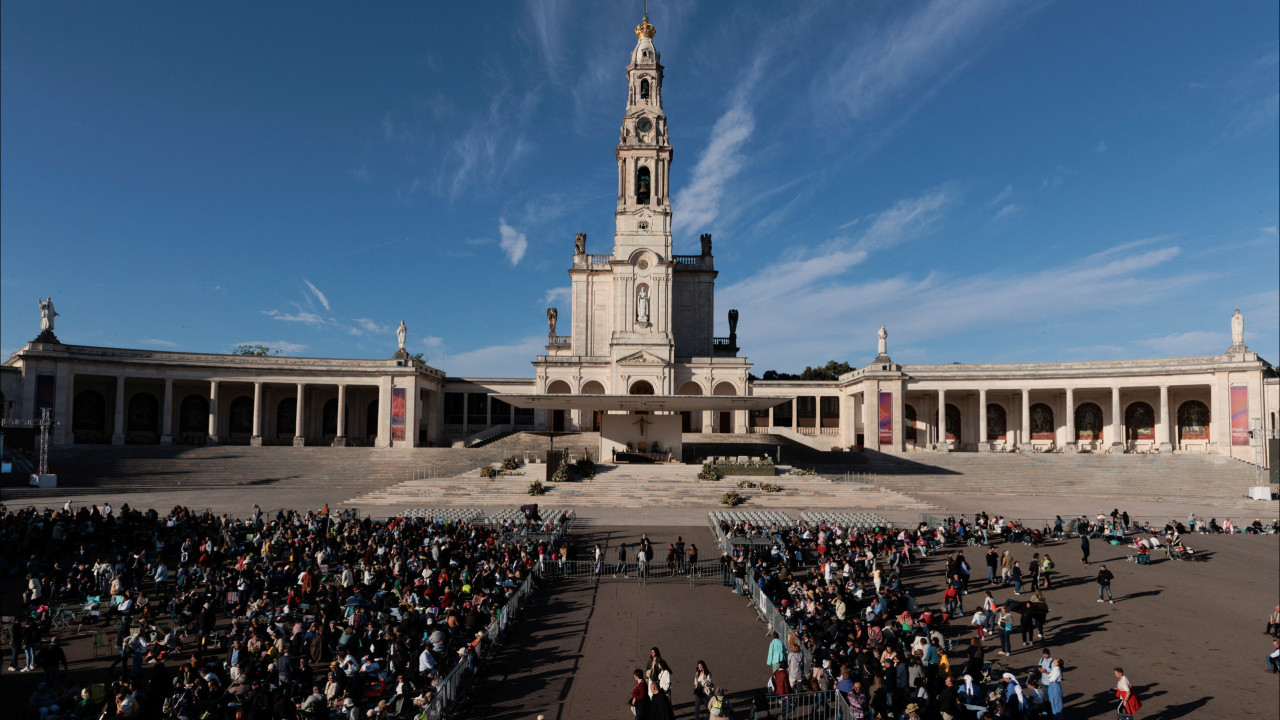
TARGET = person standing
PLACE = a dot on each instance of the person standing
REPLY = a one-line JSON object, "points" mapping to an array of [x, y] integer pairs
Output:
{"points": [[1084, 548], [1017, 578], [993, 561], [622, 561], [1053, 688], [703, 687], [1046, 570], [1104, 584], [1129, 702], [1006, 567], [639, 695]]}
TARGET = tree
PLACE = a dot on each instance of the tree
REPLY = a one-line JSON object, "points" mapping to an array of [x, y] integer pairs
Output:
{"points": [[420, 357], [831, 371], [254, 350]]}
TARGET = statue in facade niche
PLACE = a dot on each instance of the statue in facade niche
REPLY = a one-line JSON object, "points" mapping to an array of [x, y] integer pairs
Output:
{"points": [[47, 314], [642, 304], [552, 316], [882, 345], [1237, 329], [579, 243], [706, 243], [401, 333]]}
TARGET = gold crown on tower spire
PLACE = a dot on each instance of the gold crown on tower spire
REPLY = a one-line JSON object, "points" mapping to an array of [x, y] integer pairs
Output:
{"points": [[644, 29]]}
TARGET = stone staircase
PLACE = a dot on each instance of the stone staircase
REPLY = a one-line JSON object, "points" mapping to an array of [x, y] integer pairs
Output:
{"points": [[1199, 479], [635, 486]]}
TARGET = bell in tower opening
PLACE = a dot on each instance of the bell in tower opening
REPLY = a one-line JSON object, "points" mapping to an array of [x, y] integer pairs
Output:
{"points": [[642, 186], [644, 89]]}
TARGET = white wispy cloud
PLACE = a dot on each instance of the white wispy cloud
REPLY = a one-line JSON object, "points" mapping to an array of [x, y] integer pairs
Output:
{"points": [[369, 326], [554, 294], [158, 342], [698, 204], [932, 305], [1185, 344], [1005, 194], [1269, 230], [909, 57], [1101, 147], [1008, 210], [496, 360], [324, 301], [513, 242], [301, 316]]}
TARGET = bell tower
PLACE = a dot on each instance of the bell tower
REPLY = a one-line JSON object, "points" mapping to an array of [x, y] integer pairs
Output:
{"points": [[643, 216]]}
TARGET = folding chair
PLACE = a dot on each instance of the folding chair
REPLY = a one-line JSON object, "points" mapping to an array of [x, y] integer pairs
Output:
{"points": [[100, 642]]}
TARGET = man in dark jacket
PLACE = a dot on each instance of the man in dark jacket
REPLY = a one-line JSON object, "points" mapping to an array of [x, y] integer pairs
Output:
{"points": [[1104, 584]]}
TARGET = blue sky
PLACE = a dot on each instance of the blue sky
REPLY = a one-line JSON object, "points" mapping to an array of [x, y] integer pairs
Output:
{"points": [[1020, 181]]}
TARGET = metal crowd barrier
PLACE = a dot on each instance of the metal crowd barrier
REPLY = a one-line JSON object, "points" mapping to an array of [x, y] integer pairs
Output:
{"points": [[701, 572], [828, 705]]}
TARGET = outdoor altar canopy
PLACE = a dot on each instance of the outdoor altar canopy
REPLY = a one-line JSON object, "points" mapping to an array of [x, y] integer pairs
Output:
{"points": [[640, 419]]}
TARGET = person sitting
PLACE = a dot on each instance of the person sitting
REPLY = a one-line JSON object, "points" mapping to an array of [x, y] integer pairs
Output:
{"points": [[1144, 555]]}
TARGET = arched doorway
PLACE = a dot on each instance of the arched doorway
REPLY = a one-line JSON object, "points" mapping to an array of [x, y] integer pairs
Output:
{"points": [[1088, 423], [143, 420], [1139, 422], [997, 422], [286, 417], [953, 423], [641, 387], [558, 387], [1193, 421], [1042, 427], [240, 418], [193, 419], [909, 423], [724, 419], [594, 387], [371, 422], [329, 419], [687, 424], [89, 418]]}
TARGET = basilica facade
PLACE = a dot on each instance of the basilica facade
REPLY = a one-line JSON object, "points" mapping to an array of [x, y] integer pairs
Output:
{"points": [[640, 366]]}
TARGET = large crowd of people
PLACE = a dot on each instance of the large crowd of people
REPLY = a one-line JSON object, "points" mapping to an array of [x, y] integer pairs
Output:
{"points": [[854, 627], [272, 616]]}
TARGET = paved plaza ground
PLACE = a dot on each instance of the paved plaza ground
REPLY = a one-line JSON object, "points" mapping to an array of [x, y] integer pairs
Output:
{"points": [[1190, 635]]}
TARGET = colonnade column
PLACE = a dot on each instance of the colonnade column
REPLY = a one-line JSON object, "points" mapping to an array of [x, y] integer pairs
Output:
{"points": [[1070, 441], [870, 429], [256, 438], [1024, 440], [984, 442], [1163, 438], [1116, 437], [795, 413], [341, 439], [942, 421], [166, 430], [117, 430], [299, 439], [212, 437]]}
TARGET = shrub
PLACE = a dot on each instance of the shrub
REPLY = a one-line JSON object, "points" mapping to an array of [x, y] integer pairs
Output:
{"points": [[562, 473], [802, 471], [732, 498], [770, 487], [709, 472], [585, 468], [510, 463], [489, 472], [536, 488], [747, 484]]}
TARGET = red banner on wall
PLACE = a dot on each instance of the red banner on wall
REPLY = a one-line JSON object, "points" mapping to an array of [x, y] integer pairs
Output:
{"points": [[397, 414], [1239, 415], [886, 418]]}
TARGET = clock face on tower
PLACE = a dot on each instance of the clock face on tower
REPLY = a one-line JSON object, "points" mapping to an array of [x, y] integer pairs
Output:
{"points": [[644, 125]]}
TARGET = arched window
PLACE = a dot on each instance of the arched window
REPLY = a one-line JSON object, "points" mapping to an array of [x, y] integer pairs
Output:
{"points": [[1041, 422], [1193, 421], [1088, 422], [592, 387], [642, 186], [240, 416], [641, 387], [1140, 422], [909, 423], [644, 89], [953, 423], [193, 415], [558, 387], [997, 422]]}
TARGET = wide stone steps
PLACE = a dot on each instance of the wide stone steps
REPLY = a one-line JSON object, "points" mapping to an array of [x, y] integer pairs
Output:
{"points": [[642, 486], [1195, 478]]}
